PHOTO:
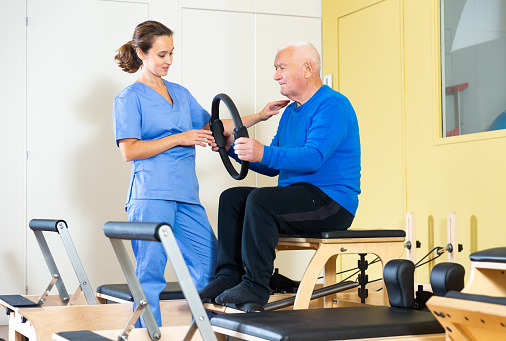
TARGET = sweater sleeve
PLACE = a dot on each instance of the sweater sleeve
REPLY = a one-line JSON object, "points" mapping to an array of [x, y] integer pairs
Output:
{"points": [[326, 130], [255, 166]]}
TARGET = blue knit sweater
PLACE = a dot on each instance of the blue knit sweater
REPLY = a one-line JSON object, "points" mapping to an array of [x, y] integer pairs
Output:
{"points": [[318, 143]]}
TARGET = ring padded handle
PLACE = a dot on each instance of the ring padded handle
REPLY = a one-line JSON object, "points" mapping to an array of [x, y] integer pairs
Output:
{"points": [[49, 225], [133, 231], [218, 129]]}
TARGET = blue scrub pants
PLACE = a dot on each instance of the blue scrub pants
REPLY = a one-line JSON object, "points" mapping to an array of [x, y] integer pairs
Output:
{"points": [[194, 236]]}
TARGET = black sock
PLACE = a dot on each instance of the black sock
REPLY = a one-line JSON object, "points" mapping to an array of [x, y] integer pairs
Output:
{"points": [[240, 294], [215, 288]]}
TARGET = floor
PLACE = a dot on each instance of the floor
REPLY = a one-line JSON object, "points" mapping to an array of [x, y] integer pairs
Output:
{"points": [[4, 332]]}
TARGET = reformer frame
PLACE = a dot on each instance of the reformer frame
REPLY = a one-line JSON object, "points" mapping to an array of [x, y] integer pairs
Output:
{"points": [[39, 226], [38, 317], [161, 232], [474, 315], [18, 306]]}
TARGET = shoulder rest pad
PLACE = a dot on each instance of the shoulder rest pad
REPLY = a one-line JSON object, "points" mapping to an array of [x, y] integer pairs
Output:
{"points": [[497, 255], [447, 276]]}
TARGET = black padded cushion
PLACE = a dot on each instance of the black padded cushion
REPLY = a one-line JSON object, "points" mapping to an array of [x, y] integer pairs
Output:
{"points": [[331, 324], [399, 278], [477, 298], [496, 255], [171, 292], [445, 277], [349, 234], [19, 301], [82, 335]]}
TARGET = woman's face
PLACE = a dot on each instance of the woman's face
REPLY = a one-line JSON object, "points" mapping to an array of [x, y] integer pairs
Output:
{"points": [[159, 58]]}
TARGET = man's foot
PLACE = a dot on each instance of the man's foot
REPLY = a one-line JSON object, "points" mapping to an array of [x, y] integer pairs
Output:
{"points": [[214, 289], [240, 294]]}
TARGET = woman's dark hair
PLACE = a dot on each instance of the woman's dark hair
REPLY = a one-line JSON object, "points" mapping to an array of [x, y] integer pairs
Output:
{"points": [[143, 38]]}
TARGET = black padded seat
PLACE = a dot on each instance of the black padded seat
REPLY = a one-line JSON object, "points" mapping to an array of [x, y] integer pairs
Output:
{"points": [[171, 292], [495, 255], [349, 234], [19, 301], [348, 323], [476, 298]]}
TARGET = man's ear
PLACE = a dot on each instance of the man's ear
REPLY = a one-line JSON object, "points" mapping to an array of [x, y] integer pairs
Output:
{"points": [[140, 54], [308, 69]]}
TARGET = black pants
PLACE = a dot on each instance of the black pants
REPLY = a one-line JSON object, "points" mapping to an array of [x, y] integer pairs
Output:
{"points": [[251, 219]]}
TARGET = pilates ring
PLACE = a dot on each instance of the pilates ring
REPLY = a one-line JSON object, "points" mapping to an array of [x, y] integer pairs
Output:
{"points": [[217, 129]]}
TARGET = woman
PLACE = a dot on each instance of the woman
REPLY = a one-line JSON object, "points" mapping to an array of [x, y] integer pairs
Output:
{"points": [[157, 124]]}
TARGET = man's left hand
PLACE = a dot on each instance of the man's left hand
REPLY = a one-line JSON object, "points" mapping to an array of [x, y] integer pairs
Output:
{"points": [[248, 149]]}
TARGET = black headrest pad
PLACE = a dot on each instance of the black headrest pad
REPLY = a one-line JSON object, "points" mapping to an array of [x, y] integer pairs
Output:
{"points": [[445, 277], [399, 278], [496, 255]]}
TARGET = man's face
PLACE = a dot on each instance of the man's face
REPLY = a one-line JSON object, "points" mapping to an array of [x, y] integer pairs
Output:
{"points": [[289, 73]]}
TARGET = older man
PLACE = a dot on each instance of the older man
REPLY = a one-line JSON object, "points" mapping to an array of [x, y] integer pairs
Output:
{"points": [[316, 153]]}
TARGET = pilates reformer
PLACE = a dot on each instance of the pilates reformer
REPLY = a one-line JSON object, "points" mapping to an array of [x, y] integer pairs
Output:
{"points": [[20, 307], [37, 317], [397, 322], [117, 232], [478, 312]]}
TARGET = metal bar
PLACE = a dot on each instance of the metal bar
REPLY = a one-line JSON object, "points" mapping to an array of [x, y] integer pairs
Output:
{"points": [[183, 275], [135, 287], [84, 283], [74, 297], [191, 331], [131, 322], [46, 292], [53, 269]]}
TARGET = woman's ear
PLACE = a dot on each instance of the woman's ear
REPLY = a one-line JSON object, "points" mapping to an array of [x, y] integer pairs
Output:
{"points": [[140, 54]]}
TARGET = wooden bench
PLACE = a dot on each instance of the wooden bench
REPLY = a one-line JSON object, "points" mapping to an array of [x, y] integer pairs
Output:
{"points": [[386, 244]]}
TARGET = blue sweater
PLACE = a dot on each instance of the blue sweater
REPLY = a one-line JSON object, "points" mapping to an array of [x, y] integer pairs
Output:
{"points": [[318, 143]]}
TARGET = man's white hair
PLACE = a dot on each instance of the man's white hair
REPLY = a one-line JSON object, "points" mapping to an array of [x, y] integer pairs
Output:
{"points": [[311, 53]]}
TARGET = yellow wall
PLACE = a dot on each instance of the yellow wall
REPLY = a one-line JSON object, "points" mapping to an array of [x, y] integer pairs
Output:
{"points": [[384, 55]]}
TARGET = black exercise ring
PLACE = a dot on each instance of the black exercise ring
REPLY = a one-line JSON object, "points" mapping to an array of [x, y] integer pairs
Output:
{"points": [[217, 130]]}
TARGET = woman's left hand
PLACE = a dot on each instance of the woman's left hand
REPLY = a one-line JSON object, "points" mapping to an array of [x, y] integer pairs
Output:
{"points": [[272, 108]]}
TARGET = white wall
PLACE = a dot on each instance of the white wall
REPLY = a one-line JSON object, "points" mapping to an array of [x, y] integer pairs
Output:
{"points": [[74, 170]]}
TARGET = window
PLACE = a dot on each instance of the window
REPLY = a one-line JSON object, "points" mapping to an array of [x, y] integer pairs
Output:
{"points": [[473, 62]]}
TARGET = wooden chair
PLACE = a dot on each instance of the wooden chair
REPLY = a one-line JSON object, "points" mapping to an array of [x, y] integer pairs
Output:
{"points": [[386, 244]]}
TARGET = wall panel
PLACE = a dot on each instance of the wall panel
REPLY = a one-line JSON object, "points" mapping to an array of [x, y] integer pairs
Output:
{"points": [[272, 32], [370, 75], [12, 138], [75, 171], [213, 63]]}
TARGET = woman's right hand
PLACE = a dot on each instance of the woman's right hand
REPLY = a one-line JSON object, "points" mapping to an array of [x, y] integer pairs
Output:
{"points": [[229, 142], [197, 138]]}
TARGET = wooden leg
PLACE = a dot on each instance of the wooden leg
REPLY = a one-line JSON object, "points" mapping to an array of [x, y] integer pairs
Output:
{"points": [[330, 279], [310, 276]]}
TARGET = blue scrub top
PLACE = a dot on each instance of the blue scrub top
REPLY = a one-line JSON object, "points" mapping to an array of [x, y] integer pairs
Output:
{"points": [[142, 113]]}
